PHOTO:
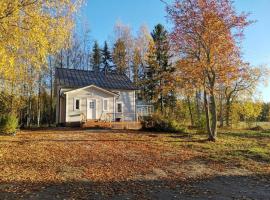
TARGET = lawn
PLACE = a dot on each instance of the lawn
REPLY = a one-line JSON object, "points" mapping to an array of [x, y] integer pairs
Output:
{"points": [[104, 164]]}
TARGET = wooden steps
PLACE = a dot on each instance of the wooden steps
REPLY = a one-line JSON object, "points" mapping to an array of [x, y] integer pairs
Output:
{"points": [[126, 125], [111, 125], [95, 124]]}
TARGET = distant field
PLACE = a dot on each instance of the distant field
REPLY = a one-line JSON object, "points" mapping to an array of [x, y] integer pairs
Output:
{"points": [[76, 164]]}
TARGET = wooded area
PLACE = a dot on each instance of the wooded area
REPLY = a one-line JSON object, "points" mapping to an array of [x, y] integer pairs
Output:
{"points": [[194, 75]]}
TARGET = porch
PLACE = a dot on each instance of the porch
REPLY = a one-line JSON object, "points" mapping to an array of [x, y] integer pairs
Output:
{"points": [[119, 120], [129, 125]]}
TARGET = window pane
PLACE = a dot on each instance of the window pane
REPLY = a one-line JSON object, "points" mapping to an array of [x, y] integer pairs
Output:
{"points": [[77, 104], [105, 105], [119, 107], [92, 104]]}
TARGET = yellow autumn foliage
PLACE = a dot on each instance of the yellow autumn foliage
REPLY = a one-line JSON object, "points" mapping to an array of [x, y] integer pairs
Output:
{"points": [[250, 110], [30, 30]]}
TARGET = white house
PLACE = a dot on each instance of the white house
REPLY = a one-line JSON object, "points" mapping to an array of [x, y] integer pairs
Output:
{"points": [[88, 95]]}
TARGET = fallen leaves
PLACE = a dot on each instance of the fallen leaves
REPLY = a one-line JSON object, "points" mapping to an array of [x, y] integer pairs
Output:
{"points": [[133, 162]]}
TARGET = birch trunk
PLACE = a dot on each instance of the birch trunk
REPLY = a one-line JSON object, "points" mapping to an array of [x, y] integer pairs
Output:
{"points": [[207, 114], [190, 111], [213, 117]]}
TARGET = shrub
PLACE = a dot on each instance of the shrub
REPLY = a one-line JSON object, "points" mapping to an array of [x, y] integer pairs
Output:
{"points": [[201, 123], [159, 123], [8, 124], [176, 127]]}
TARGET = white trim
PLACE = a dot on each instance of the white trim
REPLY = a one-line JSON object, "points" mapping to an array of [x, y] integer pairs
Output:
{"points": [[66, 108], [99, 88], [121, 107], [105, 99], [134, 108], [59, 109], [74, 104], [114, 105]]}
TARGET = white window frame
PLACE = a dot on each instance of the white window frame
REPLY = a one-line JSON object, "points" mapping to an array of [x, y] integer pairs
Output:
{"points": [[105, 99], [117, 107], [74, 106]]}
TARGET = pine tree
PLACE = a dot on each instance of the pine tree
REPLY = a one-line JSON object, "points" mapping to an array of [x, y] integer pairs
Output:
{"points": [[96, 58], [120, 56], [106, 58], [166, 94]]}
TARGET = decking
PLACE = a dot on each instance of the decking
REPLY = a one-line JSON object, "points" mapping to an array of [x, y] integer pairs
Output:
{"points": [[129, 125]]}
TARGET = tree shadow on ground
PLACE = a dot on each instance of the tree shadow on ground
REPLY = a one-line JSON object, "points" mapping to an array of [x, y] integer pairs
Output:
{"points": [[253, 155], [251, 135], [24, 141], [221, 187]]}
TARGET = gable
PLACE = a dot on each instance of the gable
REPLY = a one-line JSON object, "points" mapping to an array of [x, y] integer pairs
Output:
{"points": [[92, 87]]}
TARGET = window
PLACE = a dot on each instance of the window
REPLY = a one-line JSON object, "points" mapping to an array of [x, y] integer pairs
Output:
{"points": [[77, 104], [119, 107], [92, 105], [105, 104]]}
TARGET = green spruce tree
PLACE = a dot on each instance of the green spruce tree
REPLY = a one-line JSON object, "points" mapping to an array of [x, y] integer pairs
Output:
{"points": [[106, 58], [96, 57], [164, 70]]}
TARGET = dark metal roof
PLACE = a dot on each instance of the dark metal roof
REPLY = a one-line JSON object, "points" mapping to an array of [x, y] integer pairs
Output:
{"points": [[73, 78]]}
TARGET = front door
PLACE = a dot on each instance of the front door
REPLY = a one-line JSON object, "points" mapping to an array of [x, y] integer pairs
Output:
{"points": [[91, 109]]}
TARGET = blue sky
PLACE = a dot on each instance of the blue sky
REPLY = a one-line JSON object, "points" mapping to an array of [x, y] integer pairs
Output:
{"points": [[101, 16]]}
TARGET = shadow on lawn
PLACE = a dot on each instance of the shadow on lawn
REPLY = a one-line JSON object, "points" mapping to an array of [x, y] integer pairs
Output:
{"points": [[221, 187], [257, 156], [253, 134], [100, 140]]}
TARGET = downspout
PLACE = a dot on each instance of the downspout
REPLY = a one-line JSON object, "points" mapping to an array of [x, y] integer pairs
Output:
{"points": [[59, 106], [66, 108], [114, 102], [135, 110]]}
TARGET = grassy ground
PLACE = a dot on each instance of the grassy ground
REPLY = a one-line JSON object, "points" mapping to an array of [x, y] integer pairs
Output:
{"points": [[75, 164], [244, 125]]}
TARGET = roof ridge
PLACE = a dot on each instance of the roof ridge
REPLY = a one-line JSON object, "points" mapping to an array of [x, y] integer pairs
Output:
{"points": [[63, 68], [85, 70]]}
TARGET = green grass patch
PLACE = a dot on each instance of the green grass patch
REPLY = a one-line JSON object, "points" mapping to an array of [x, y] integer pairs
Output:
{"points": [[233, 146]]}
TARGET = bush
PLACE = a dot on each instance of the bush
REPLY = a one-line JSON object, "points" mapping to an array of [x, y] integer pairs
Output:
{"points": [[8, 124], [159, 123], [201, 123]]}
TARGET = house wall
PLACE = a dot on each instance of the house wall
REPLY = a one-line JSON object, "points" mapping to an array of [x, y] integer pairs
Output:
{"points": [[127, 98], [60, 105], [84, 94]]}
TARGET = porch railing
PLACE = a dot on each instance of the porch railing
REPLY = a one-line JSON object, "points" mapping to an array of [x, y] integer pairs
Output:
{"points": [[141, 111], [145, 110]]}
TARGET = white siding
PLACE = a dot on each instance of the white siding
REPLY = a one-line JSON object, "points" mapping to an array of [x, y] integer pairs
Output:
{"points": [[83, 95], [127, 98], [60, 105]]}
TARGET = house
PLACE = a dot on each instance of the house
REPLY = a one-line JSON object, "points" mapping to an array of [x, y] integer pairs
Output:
{"points": [[88, 95]]}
